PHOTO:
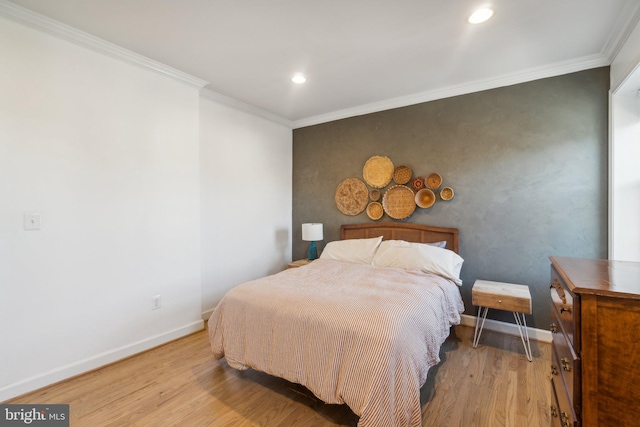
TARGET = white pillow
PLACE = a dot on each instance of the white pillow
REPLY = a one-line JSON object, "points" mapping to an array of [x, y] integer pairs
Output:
{"points": [[421, 256], [442, 244], [352, 250]]}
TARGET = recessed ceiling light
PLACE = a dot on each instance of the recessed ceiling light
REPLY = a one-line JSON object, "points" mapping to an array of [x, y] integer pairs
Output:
{"points": [[298, 78], [480, 15]]}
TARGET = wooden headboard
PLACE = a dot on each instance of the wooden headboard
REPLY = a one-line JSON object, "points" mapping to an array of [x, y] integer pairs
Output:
{"points": [[402, 231]]}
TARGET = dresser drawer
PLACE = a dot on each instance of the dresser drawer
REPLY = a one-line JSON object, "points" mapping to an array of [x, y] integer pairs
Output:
{"points": [[566, 365], [566, 415], [555, 408], [568, 308]]}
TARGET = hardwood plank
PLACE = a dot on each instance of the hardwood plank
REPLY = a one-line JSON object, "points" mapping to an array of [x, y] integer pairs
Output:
{"points": [[181, 383]]}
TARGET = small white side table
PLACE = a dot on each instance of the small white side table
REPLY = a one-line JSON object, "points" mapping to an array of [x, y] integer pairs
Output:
{"points": [[502, 296]]}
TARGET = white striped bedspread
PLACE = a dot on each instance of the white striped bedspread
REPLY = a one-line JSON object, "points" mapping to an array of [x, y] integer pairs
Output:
{"points": [[350, 333]]}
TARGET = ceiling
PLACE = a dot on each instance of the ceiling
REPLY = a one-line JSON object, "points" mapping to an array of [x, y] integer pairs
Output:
{"points": [[358, 55]]}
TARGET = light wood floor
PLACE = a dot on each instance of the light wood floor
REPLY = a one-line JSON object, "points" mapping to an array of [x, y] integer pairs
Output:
{"points": [[181, 384]]}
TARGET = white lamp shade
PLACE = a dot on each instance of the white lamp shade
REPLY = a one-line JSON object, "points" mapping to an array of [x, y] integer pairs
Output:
{"points": [[312, 232]]}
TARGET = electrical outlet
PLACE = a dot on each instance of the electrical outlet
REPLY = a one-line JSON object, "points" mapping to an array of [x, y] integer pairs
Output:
{"points": [[156, 302]]}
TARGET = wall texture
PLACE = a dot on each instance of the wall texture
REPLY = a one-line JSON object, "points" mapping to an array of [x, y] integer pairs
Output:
{"points": [[528, 164]]}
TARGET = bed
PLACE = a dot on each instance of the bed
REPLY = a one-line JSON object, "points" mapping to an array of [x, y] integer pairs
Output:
{"points": [[360, 326]]}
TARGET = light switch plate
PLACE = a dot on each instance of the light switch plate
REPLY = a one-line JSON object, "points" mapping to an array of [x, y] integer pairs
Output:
{"points": [[32, 221]]}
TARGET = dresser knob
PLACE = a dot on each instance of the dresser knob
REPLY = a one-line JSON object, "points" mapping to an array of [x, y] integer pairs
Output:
{"points": [[554, 328], [554, 370], [566, 366], [554, 412], [567, 309]]}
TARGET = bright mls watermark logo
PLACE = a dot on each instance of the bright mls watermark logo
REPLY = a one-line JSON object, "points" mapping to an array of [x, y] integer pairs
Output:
{"points": [[34, 415]]}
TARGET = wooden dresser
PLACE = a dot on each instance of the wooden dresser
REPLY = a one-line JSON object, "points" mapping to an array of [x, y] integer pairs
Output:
{"points": [[595, 368]]}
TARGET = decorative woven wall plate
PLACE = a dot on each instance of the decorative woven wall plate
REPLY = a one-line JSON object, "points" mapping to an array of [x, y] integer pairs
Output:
{"points": [[399, 202], [446, 193], [433, 181], [374, 195], [352, 196], [425, 198], [375, 211], [402, 175], [378, 171], [417, 183]]}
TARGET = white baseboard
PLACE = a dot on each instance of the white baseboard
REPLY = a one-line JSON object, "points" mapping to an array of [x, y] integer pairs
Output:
{"points": [[507, 328], [97, 361], [207, 314]]}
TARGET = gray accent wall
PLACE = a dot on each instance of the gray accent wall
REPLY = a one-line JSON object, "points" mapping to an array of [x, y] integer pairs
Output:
{"points": [[528, 164]]}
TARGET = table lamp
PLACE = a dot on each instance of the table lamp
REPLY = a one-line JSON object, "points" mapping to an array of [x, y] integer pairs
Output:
{"points": [[312, 232]]}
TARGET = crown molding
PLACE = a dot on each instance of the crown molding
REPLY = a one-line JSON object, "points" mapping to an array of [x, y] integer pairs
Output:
{"points": [[624, 26], [559, 68], [64, 31], [622, 29], [625, 23], [244, 107]]}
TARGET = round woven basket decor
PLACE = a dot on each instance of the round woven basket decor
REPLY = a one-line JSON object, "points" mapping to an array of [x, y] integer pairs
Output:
{"points": [[433, 181], [374, 195], [399, 202], [446, 193], [375, 211], [352, 196], [417, 183], [378, 171], [425, 198], [402, 175]]}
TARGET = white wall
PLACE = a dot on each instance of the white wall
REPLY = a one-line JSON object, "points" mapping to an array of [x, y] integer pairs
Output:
{"points": [[625, 177], [624, 186], [108, 154], [246, 190]]}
